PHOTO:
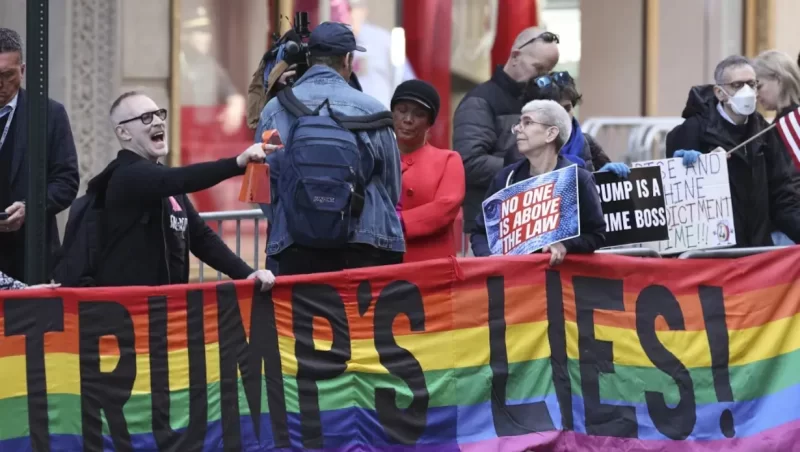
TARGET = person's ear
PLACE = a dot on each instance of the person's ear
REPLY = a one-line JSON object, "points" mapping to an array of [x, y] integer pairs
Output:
{"points": [[22, 69], [552, 134], [123, 134], [514, 55], [721, 95]]}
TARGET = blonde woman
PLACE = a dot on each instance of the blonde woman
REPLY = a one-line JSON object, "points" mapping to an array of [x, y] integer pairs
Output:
{"points": [[779, 91], [778, 82]]}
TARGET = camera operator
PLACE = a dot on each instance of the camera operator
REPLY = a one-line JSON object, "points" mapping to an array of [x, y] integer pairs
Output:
{"points": [[376, 237]]}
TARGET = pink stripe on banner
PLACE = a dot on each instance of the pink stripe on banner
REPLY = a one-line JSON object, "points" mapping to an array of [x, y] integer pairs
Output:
{"points": [[785, 437], [175, 206]]}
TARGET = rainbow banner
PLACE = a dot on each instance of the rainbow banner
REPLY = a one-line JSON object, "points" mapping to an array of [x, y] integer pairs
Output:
{"points": [[499, 354]]}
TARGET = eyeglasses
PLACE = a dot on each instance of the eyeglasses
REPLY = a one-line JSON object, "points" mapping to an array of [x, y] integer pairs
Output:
{"points": [[546, 37], [147, 118], [737, 85], [524, 123], [561, 78]]}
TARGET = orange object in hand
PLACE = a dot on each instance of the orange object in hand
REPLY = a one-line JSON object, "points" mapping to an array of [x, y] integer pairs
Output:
{"points": [[256, 183]]}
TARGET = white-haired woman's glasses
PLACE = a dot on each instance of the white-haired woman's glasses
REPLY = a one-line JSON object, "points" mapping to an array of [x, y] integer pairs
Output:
{"points": [[524, 123]]}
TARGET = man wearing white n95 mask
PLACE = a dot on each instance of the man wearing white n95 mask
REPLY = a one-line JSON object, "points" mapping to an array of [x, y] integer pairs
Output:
{"points": [[724, 115], [149, 224]]}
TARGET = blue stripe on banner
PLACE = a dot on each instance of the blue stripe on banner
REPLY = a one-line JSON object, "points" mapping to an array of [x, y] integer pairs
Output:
{"points": [[475, 424], [772, 411]]}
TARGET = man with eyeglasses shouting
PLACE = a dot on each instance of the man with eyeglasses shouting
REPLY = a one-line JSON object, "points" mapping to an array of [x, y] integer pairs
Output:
{"points": [[62, 161], [484, 118], [724, 115], [148, 224]]}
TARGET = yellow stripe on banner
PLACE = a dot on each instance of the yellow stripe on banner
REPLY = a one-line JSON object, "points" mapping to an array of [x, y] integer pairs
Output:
{"points": [[437, 351], [691, 347]]}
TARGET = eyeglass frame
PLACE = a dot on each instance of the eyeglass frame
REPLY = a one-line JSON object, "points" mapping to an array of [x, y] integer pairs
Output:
{"points": [[523, 126], [161, 113], [547, 36], [754, 85]]}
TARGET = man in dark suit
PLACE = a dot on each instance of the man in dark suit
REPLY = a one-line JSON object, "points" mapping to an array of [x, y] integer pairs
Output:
{"points": [[62, 161]]}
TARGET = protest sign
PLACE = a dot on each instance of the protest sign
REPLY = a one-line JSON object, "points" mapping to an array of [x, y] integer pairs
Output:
{"points": [[601, 353], [698, 202], [634, 207], [529, 215]]}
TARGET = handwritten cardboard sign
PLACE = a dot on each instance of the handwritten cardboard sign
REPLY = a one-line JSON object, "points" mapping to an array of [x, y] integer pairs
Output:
{"points": [[529, 215], [698, 203]]}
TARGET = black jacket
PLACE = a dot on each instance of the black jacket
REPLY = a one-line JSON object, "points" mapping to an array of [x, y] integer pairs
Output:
{"points": [[62, 176], [762, 193], [593, 225], [482, 135], [135, 244]]}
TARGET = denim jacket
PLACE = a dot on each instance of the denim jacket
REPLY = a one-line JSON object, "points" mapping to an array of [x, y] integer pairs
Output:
{"points": [[379, 225]]}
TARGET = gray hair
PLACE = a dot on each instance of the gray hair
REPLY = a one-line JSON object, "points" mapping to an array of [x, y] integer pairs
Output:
{"points": [[550, 112], [779, 65], [10, 41], [727, 63]]}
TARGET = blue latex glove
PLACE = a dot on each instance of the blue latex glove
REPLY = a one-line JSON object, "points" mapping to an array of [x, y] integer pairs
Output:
{"points": [[689, 157], [620, 169]]}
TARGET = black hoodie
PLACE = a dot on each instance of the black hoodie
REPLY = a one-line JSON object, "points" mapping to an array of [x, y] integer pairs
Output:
{"points": [[762, 193], [150, 225]]}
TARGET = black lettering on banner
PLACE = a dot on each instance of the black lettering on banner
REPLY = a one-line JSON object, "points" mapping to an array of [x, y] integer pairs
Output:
{"points": [[32, 318], [557, 336], [404, 426], [713, 303], [107, 391], [509, 420], [598, 356], [309, 301], [675, 423], [234, 350], [166, 438]]}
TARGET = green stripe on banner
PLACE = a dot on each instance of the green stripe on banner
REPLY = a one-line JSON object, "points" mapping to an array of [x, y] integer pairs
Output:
{"points": [[628, 384], [453, 387]]}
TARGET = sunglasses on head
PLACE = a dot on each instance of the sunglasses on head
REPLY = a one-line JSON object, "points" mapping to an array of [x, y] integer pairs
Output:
{"points": [[546, 37], [561, 78], [147, 118]]}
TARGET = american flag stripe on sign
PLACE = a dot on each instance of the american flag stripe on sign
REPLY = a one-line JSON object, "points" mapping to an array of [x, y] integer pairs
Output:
{"points": [[789, 130]]}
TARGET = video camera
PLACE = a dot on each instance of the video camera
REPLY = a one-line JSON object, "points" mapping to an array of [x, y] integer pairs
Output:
{"points": [[292, 48]]}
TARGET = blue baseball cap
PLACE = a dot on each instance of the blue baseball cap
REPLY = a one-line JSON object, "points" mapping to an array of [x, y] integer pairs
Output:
{"points": [[332, 39]]}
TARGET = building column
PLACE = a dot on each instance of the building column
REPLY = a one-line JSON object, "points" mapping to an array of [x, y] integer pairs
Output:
{"points": [[93, 50]]}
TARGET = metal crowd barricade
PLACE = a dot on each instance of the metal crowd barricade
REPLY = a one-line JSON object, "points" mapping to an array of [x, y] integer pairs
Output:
{"points": [[632, 252], [728, 253], [250, 218], [642, 139]]}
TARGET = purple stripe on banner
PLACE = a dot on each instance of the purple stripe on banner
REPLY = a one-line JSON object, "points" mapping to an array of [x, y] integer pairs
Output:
{"points": [[785, 437]]}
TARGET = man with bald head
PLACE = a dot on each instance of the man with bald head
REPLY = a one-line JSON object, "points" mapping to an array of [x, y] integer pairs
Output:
{"points": [[484, 118], [148, 224]]}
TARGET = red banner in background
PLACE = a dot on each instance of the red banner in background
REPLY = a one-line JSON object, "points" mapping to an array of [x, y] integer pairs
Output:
{"points": [[513, 16], [428, 25]]}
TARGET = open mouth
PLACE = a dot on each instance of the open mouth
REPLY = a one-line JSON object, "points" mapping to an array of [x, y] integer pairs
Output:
{"points": [[158, 137]]}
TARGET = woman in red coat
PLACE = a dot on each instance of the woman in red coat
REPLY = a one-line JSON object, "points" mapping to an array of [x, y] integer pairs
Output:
{"points": [[433, 178]]}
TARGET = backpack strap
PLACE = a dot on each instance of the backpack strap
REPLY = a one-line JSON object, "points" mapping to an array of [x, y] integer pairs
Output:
{"points": [[292, 104], [368, 122]]}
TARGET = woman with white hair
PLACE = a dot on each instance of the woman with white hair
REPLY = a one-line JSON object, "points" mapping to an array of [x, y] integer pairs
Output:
{"points": [[543, 129]]}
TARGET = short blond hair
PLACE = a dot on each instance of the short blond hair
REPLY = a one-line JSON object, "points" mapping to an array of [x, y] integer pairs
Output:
{"points": [[778, 65]]}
